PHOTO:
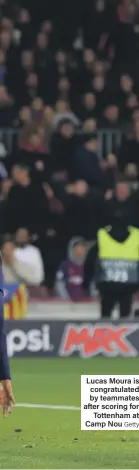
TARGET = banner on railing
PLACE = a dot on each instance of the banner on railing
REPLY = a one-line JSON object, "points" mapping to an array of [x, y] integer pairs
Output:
{"points": [[15, 305], [64, 339]]}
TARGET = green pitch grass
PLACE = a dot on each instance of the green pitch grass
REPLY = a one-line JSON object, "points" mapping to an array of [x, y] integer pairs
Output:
{"points": [[46, 438]]}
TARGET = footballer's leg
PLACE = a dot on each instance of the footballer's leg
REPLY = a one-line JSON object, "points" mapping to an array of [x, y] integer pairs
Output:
{"points": [[6, 393]]}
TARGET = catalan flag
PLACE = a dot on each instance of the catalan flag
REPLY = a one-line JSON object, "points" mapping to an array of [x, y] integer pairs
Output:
{"points": [[15, 301]]}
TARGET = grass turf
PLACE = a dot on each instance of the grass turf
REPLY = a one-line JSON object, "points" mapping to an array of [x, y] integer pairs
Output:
{"points": [[52, 438]]}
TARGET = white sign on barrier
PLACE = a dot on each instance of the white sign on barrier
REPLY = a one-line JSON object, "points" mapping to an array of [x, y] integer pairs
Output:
{"points": [[109, 402]]}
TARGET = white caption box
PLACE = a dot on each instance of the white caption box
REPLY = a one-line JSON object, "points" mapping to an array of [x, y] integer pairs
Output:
{"points": [[109, 402]]}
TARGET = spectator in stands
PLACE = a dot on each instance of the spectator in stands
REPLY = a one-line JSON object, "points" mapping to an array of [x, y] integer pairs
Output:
{"points": [[131, 173], [126, 84], [27, 61], [37, 110], [98, 23], [31, 87], [129, 151], [22, 262], [82, 208], [131, 102], [69, 277], [33, 151], [61, 62], [23, 30], [87, 107], [62, 146], [111, 116], [35, 145], [88, 61], [26, 203], [63, 112], [25, 115], [121, 204], [64, 88], [99, 88], [89, 126], [85, 163], [42, 52]]}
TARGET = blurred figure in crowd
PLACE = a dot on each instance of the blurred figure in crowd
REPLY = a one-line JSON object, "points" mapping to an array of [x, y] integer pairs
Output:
{"points": [[86, 164], [27, 61], [31, 88], [126, 84], [111, 117], [62, 145], [22, 262], [25, 115], [121, 202], [26, 202], [87, 106], [89, 126], [85, 160], [69, 277], [129, 149], [63, 112]]}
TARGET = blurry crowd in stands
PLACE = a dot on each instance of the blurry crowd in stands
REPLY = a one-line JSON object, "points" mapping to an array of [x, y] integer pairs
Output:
{"points": [[67, 70]]}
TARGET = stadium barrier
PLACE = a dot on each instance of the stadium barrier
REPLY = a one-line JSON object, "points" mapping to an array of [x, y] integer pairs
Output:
{"points": [[37, 338]]}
